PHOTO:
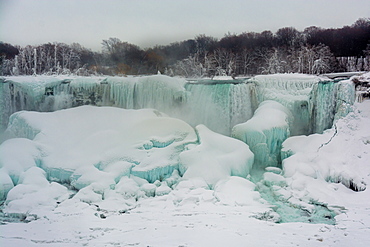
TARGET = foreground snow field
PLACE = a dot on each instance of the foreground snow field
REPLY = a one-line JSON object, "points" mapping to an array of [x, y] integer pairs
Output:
{"points": [[322, 169]]}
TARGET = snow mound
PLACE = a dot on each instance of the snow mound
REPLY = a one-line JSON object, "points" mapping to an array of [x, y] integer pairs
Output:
{"points": [[93, 145], [237, 191], [216, 157]]}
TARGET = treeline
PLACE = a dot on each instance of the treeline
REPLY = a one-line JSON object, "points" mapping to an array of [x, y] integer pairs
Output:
{"points": [[313, 51]]}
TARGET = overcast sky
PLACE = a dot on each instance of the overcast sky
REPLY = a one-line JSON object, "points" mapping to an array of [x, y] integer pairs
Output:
{"points": [[150, 22]]}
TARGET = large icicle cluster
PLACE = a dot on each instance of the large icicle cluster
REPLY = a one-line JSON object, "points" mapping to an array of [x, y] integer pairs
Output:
{"points": [[292, 91], [218, 106]]}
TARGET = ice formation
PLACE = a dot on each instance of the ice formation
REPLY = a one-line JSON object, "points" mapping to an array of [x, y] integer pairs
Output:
{"points": [[114, 158], [103, 152], [219, 105], [265, 132], [293, 92]]}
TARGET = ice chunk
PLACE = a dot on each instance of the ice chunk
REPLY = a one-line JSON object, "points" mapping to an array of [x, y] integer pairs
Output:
{"points": [[265, 132], [118, 169], [192, 183], [127, 187], [216, 157], [292, 91], [85, 176], [88, 195]]}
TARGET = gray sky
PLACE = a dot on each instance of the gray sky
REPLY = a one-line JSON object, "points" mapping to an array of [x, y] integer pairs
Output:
{"points": [[150, 22]]}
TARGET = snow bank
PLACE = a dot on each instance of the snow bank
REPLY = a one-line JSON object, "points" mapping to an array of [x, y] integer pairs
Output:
{"points": [[265, 132], [324, 156], [100, 137]]}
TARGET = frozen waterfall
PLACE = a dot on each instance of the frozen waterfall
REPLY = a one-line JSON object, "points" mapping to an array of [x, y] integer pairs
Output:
{"points": [[128, 138], [219, 105]]}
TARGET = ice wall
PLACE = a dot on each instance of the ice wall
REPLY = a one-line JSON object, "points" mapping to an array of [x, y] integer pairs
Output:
{"points": [[23, 93], [323, 106], [345, 98], [219, 106], [314, 101]]}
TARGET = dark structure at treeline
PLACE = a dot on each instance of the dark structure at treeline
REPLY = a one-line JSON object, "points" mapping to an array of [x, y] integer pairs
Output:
{"points": [[313, 51]]}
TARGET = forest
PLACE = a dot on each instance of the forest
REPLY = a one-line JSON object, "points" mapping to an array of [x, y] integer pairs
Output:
{"points": [[314, 50]]}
